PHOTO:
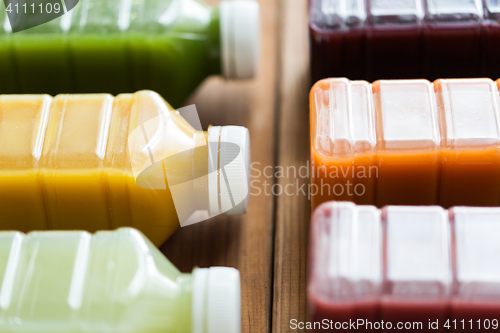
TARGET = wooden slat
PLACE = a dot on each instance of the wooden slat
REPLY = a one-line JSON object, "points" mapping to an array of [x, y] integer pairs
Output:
{"points": [[292, 211], [244, 242]]}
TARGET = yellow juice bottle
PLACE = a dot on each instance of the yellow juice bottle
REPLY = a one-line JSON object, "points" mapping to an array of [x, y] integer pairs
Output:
{"points": [[93, 162]]}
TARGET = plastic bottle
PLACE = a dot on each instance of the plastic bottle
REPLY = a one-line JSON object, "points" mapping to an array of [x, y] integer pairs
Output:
{"points": [[386, 39], [118, 46], [406, 142], [97, 162], [72, 281], [404, 265], [490, 39]]}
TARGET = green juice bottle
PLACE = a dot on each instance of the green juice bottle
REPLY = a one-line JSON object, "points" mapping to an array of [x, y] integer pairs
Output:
{"points": [[109, 282], [118, 46]]}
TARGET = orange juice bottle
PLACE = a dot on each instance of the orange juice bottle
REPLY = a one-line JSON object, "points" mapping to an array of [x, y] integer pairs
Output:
{"points": [[426, 143], [342, 142], [470, 155], [93, 162], [408, 142]]}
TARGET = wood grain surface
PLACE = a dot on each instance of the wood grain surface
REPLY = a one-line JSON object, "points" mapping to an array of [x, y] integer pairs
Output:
{"points": [[268, 244], [292, 211]]}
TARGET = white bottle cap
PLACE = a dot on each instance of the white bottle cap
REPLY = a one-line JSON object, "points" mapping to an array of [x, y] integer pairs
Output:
{"points": [[229, 169], [216, 300], [240, 38]]}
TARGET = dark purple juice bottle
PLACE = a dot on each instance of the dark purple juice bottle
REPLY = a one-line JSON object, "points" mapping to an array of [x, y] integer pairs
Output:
{"points": [[395, 39], [401, 39], [452, 37], [338, 38], [491, 39]]}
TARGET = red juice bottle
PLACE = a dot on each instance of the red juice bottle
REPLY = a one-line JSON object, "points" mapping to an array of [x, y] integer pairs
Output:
{"points": [[345, 268], [476, 244], [414, 268]]}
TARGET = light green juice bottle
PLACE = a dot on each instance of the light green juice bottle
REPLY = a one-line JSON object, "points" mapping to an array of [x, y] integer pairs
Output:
{"points": [[119, 46], [109, 282]]}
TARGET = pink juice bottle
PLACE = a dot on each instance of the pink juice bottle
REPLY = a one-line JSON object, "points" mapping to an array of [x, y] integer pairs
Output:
{"points": [[418, 268]]}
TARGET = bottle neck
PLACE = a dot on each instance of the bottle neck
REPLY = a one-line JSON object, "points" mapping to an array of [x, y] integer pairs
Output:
{"points": [[210, 176], [181, 318], [206, 176], [216, 300], [201, 184]]}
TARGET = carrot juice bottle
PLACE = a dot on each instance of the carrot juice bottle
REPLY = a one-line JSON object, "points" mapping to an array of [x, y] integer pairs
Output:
{"points": [[408, 141], [342, 141], [421, 143], [470, 155]]}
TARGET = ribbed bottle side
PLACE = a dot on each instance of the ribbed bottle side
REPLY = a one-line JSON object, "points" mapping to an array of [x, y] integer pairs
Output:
{"points": [[428, 143], [69, 282], [402, 257], [116, 46]]}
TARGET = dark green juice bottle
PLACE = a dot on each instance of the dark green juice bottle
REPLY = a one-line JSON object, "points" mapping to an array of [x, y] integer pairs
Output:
{"points": [[118, 46]]}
